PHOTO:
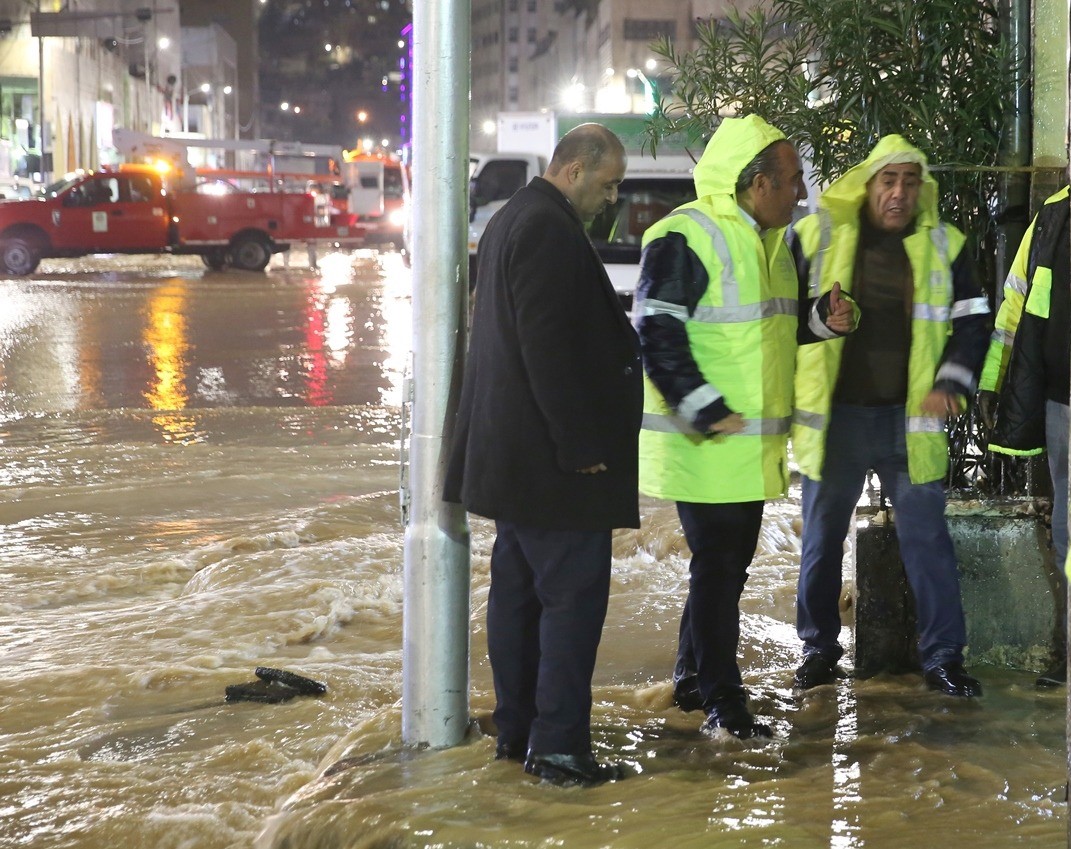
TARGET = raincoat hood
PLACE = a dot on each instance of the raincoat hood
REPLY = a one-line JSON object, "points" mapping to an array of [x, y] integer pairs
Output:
{"points": [[846, 195], [735, 143]]}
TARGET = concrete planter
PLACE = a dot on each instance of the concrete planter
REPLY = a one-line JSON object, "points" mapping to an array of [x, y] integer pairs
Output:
{"points": [[1013, 595]]}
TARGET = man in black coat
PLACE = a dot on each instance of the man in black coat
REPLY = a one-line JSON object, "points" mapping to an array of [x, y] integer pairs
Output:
{"points": [[545, 444]]}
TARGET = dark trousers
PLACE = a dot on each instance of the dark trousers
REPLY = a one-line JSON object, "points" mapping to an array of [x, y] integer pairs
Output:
{"points": [[861, 439], [545, 611], [722, 538]]}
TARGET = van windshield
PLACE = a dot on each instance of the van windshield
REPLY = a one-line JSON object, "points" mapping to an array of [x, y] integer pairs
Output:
{"points": [[641, 201]]}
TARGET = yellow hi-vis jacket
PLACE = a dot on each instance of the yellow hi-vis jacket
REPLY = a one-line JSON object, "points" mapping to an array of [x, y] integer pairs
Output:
{"points": [[828, 241], [741, 334], [1015, 364]]}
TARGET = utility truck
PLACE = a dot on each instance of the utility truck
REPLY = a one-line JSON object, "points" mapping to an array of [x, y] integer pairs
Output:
{"points": [[269, 165], [134, 209], [375, 190]]}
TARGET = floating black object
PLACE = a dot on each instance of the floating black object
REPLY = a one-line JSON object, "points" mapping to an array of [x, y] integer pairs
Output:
{"points": [[274, 686], [304, 686]]}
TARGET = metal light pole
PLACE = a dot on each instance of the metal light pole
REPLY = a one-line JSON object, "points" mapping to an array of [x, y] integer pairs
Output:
{"points": [[435, 628]]}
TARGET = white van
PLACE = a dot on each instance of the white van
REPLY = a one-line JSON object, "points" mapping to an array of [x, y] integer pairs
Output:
{"points": [[651, 189]]}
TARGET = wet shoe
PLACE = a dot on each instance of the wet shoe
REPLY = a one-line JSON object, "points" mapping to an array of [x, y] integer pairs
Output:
{"points": [[686, 694], [511, 750], [1054, 676], [732, 715], [816, 669], [564, 770], [952, 680]]}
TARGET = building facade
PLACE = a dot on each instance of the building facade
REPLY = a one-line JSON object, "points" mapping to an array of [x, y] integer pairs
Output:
{"points": [[73, 70], [576, 55]]}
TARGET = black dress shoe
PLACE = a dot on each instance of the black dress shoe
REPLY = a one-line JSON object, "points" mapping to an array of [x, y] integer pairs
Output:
{"points": [[511, 750], [582, 770], [732, 714], [686, 694], [1054, 676], [816, 669], [952, 680]]}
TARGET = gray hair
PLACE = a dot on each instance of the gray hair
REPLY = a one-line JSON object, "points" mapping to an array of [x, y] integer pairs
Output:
{"points": [[588, 143], [765, 162]]}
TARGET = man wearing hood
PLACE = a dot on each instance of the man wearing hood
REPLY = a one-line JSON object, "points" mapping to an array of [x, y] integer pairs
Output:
{"points": [[882, 397], [718, 313], [1026, 382]]}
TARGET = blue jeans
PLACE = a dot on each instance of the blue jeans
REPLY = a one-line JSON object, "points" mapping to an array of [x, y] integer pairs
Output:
{"points": [[1056, 427], [860, 439]]}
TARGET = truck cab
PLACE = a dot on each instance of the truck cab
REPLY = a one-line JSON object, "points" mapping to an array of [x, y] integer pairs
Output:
{"points": [[493, 179], [107, 211]]}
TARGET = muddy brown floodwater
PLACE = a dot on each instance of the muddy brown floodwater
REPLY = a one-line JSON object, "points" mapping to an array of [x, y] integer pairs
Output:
{"points": [[199, 475]]}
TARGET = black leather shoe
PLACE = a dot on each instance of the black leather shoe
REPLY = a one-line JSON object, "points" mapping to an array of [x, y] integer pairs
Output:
{"points": [[511, 750], [952, 680], [582, 770], [816, 669], [1054, 676], [686, 694], [732, 715]]}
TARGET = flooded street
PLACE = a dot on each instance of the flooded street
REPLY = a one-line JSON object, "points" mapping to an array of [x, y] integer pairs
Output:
{"points": [[199, 476]]}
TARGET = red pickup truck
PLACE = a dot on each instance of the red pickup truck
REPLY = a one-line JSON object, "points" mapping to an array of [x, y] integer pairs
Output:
{"points": [[132, 209]]}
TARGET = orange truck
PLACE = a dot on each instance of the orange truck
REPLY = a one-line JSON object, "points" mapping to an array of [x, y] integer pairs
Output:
{"points": [[134, 209]]}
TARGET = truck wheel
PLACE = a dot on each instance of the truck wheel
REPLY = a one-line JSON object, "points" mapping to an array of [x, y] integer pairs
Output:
{"points": [[250, 253], [216, 259], [18, 256]]}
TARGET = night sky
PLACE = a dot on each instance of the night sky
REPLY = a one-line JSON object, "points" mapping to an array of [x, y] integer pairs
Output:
{"points": [[326, 89]]}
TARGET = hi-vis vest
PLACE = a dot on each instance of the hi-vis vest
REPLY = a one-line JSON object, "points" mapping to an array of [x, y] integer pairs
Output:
{"points": [[1025, 308], [742, 336], [831, 249]]}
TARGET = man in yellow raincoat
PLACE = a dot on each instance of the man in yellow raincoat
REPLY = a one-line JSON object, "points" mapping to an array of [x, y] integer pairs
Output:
{"points": [[878, 400], [718, 311]]}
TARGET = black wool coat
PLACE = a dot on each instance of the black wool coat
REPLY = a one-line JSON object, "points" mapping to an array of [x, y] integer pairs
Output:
{"points": [[553, 379]]}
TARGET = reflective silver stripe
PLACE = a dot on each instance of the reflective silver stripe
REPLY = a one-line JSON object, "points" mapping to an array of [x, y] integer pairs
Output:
{"points": [[1003, 337], [749, 312], [696, 400], [818, 327], [730, 292], [666, 424], [752, 427], [1016, 284], [960, 374], [929, 312], [970, 306], [825, 228], [653, 307], [939, 237], [765, 427], [808, 419], [925, 424]]}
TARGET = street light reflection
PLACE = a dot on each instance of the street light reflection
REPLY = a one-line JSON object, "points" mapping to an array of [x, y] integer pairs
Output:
{"points": [[166, 338]]}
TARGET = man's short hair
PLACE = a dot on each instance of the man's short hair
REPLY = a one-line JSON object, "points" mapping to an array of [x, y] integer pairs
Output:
{"points": [[765, 162], [588, 143]]}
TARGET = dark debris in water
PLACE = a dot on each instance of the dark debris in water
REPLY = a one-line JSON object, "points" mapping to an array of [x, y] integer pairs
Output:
{"points": [[274, 686]]}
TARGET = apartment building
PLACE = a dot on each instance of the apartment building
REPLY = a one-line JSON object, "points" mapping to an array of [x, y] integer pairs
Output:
{"points": [[576, 55]]}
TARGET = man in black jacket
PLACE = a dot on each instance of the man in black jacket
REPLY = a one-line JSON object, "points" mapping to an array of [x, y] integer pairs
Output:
{"points": [[1025, 386], [545, 444]]}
